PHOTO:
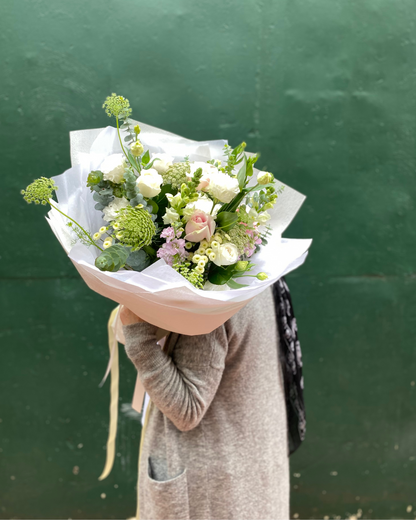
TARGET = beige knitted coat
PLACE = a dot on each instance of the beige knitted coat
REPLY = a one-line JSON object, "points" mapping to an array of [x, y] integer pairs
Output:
{"points": [[215, 446]]}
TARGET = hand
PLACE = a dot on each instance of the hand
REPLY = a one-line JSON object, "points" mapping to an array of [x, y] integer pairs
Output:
{"points": [[128, 317]]}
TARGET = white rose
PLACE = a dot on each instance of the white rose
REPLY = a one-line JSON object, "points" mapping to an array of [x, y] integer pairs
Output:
{"points": [[170, 216], [164, 162], [204, 203], [113, 168], [226, 254], [111, 211], [149, 183], [223, 187]]}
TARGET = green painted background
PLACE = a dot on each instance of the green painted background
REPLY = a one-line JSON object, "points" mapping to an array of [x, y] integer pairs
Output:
{"points": [[325, 90]]}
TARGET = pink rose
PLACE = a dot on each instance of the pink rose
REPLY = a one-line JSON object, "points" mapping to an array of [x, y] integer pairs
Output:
{"points": [[199, 227]]}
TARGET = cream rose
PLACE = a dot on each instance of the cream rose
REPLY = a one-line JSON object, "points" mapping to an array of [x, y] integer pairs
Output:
{"points": [[149, 183], [111, 211], [163, 163], [226, 254], [113, 168], [223, 187]]}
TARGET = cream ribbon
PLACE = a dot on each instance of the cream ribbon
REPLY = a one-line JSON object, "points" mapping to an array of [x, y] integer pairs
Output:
{"points": [[114, 371]]}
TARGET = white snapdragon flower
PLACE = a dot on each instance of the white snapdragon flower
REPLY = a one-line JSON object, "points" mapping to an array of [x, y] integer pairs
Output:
{"points": [[111, 211], [164, 162], [263, 217], [113, 168], [149, 183], [223, 187], [225, 254], [174, 200], [170, 216]]}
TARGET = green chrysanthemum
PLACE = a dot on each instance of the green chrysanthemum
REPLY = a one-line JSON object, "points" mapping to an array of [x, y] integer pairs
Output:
{"points": [[40, 191], [135, 227], [117, 106], [176, 174], [196, 279]]}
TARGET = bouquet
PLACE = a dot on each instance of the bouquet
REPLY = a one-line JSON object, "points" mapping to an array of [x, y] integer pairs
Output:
{"points": [[183, 233]]}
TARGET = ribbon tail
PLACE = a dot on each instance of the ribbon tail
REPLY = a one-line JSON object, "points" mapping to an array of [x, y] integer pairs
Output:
{"points": [[114, 371]]}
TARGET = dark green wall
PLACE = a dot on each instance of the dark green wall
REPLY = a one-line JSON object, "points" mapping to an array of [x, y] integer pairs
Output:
{"points": [[325, 90]]}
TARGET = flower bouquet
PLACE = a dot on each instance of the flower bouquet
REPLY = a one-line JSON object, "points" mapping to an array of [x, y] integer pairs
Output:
{"points": [[183, 233]]}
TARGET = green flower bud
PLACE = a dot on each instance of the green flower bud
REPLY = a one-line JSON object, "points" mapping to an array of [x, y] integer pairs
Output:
{"points": [[40, 191], [137, 130], [137, 148], [265, 178], [241, 265], [117, 106], [269, 205], [262, 276]]}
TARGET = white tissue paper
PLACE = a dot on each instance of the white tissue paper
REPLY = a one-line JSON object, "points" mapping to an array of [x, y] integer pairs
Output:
{"points": [[158, 294]]}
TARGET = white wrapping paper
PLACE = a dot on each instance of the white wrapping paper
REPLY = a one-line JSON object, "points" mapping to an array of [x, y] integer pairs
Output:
{"points": [[159, 294]]}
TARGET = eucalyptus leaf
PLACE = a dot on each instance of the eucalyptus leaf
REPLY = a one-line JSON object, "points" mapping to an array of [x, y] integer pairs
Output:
{"points": [[138, 260]]}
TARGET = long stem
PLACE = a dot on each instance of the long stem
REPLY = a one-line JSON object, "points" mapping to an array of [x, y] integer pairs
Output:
{"points": [[75, 222], [122, 147]]}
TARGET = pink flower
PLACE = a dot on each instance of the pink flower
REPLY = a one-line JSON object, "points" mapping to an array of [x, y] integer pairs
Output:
{"points": [[199, 227]]}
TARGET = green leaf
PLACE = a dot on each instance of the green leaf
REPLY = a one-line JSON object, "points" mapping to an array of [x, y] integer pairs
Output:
{"points": [[149, 251], [259, 187], [226, 220], [155, 207], [133, 160], [233, 205], [242, 174], [146, 157], [234, 285], [220, 275]]}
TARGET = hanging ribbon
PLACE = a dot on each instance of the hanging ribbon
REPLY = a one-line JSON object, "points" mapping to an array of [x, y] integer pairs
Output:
{"points": [[114, 371]]}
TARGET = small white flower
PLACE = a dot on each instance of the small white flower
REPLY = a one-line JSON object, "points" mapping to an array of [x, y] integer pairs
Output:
{"points": [[201, 263], [212, 256], [208, 251], [203, 244], [217, 238], [164, 162], [96, 236], [189, 245], [196, 258], [170, 216], [215, 244], [113, 168], [108, 242], [223, 187], [199, 269], [201, 251], [227, 254], [111, 211], [149, 183]]}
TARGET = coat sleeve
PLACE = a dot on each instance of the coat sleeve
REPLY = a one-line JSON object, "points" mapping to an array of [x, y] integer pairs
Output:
{"points": [[182, 386]]}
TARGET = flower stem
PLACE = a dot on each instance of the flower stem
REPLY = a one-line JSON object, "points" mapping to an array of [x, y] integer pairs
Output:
{"points": [[75, 222], [122, 147]]}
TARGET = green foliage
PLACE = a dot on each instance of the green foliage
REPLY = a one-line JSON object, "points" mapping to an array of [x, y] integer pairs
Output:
{"points": [[82, 236], [226, 220], [39, 191], [138, 260], [188, 189], [234, 157], [219, 275], [113, 258]]}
